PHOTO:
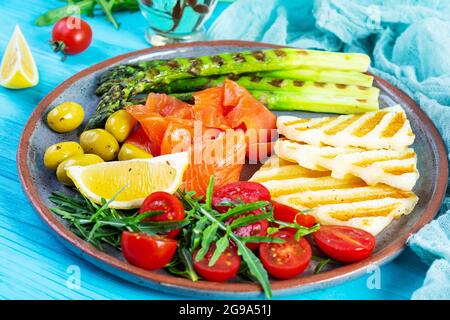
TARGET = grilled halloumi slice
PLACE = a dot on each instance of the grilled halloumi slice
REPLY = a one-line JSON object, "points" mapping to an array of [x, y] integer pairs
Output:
{"points": [[383, 129], [396, 168], [348, 201]]}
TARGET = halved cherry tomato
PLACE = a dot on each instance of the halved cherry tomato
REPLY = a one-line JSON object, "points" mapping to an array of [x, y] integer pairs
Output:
{"points": [[255, 229], [345, 244], [172, 207], [286, 213], [245, 191], [225, 268], [288, 259], [146, 251]]}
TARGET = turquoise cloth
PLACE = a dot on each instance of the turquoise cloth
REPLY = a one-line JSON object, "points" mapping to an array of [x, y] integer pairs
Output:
{"points": [[409, 43]]}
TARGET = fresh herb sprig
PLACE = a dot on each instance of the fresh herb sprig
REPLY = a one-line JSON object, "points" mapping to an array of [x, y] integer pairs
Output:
{"points": [[102, 224], [89, 8]]}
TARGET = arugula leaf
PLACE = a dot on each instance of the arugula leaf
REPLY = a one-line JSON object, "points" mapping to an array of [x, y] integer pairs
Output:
{"points": [[247, 220], [255, 267], [148, 214], [209, 236], [221, 245], [200, 225], [260, 239], [209, 192], [243, 208]]}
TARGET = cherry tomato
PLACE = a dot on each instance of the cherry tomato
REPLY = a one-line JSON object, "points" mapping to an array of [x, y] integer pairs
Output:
{"points": [[146, 251], [71, 35], [225, 268], [286, 213], [163, 201], [255, 229], [345, 244], [288, 259], [245, 191]]}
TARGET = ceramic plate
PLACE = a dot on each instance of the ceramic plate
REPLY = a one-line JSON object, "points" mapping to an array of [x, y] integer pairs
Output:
{"points": [[38, 183]]}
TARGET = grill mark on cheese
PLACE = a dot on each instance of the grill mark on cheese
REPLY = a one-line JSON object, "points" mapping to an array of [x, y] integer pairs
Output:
{"points": [[316, 125], [397, 122], [295, 122], [312, 184], [342, 125], [291, 172], [317, 199], [399, 170], [345, 215], [365, 163], [369, 124]]}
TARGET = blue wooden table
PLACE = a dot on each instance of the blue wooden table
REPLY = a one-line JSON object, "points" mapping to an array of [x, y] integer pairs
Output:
{"points": [[33, 264]]}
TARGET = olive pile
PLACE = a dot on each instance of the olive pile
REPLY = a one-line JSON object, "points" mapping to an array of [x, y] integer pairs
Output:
{"points": [[95, 145]]}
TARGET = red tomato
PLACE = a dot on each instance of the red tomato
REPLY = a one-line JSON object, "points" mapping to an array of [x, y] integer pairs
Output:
{"points": [[345, 244], [225, 268], [245, 191], [172, 207], [286, 213], [255, 229], [71, 35], [146, 251], [288, 259]]}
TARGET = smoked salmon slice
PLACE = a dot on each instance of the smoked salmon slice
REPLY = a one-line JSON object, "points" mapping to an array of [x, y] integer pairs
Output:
{"points": [[208, 108], [169, 106], [221, 155]]}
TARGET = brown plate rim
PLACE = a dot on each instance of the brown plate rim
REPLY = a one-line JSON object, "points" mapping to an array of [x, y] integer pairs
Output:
{"points": [[383, 255]]}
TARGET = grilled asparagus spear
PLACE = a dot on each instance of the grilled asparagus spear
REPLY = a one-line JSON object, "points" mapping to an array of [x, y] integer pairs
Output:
{"points": [[157, 74], [275, 84], [322, 75], [286, 100]]}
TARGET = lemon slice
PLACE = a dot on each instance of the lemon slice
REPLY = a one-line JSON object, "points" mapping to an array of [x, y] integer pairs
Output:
{"points": [[18, 69], [135, 179]]}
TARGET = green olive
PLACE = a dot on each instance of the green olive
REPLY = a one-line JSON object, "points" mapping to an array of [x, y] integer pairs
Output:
{"points": [[57, 153], [120, 124], [129, 151], [101, 143], [65, 117], [78, 160]]}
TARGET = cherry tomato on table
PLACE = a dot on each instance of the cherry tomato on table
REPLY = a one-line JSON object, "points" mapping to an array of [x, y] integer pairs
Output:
{"points": [[344, 244], [288, 259], [170, 204], [71, 35], [146, 251], [286, 213], [225, 268]]}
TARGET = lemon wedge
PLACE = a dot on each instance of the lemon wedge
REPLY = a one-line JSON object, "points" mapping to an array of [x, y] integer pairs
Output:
{"points": [[18, 69], [135, 179]]}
